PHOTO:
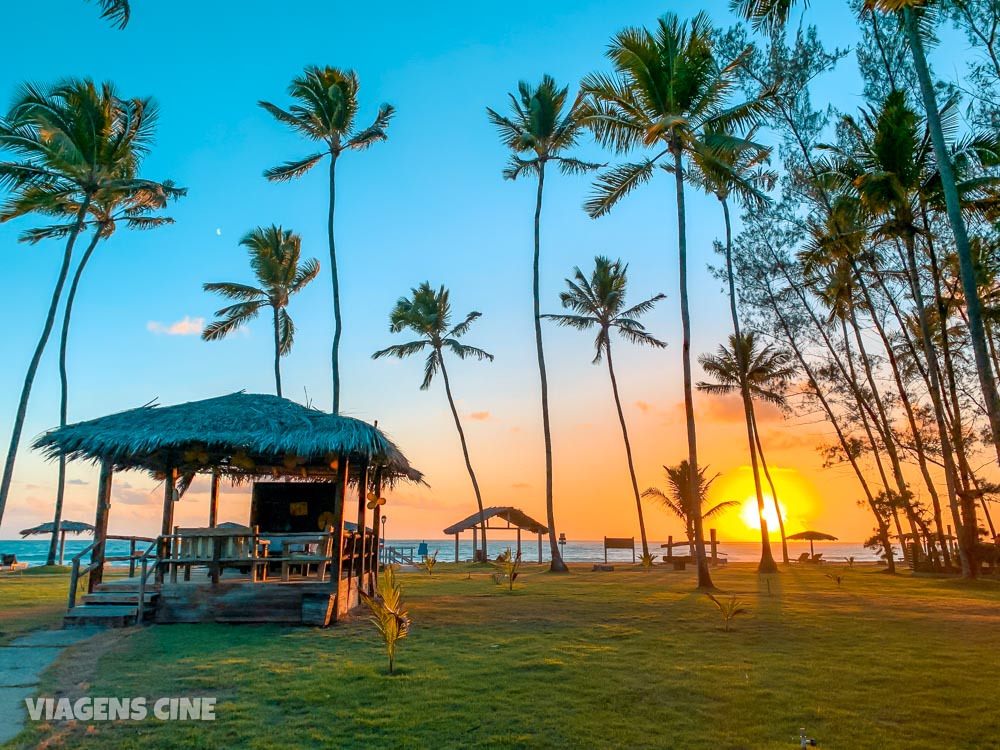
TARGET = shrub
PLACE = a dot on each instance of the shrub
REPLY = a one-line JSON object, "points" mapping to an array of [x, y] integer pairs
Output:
{"points": [[388, 615]]}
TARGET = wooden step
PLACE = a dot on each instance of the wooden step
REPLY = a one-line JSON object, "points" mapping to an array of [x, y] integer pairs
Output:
{"points": [[118, 597], [102, 615]]}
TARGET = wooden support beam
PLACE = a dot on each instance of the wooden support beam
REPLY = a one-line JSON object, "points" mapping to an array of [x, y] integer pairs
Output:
{"points": [[362, 521], [519, 541], [100, 526], [539, 546], [376, 519], [456, 546], [167, 526], [213, 502], [339, 501]]}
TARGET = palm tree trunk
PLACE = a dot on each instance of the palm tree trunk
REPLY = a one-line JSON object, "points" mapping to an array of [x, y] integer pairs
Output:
{"points": [[335, 353], [774, 491], [628, 451], [977, 332], [64, 396], [465, 452], [883, 530], [767, 564], [277, 352], [704, 576], [557, 565], [29, 377]]}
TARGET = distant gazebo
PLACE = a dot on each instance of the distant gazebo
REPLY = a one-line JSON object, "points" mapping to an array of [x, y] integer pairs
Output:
{"points": [[514, 518]]}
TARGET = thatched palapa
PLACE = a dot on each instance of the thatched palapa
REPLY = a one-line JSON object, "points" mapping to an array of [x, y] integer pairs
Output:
{"points": [[242, 435]]}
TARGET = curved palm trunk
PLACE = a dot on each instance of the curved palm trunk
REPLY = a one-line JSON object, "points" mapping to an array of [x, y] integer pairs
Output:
{"points": [[29, 376], [557, 565], [704, 576], [774, 491], [883, 529], [335, 353], [767, 564], [977, 332], [628, 451], [64, 397], [277, 352], [465, 452]]}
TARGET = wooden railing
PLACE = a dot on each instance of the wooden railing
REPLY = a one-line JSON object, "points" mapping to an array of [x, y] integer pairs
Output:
{"points": [[78, 571], [400, 556]]}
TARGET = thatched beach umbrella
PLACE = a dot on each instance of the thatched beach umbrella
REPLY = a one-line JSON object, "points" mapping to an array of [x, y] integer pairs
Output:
{"points": [[812, 536], [65, 527]]}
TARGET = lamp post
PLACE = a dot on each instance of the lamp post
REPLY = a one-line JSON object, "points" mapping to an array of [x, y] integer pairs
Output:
{"points": [[562, 546], [385, 548]]}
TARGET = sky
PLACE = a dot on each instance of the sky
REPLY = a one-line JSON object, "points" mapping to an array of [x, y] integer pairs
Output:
{"points": [[428, 204]]}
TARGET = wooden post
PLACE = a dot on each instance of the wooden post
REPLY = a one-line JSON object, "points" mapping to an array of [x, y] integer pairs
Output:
{"points": [[475, 544], [338, 529], [168, 521], [62, 545], [715, 546], [362, 532], [213, 502], [519, 540], [376, 538], [456, 546], [670, 549], [100, 526], [539, 546]]}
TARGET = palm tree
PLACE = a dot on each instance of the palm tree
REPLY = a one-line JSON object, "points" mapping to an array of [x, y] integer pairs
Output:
{"points": [[325, 109], [428, 313], [107, 209], [772, 15], [274, 259], [599, 302], [72, 141], [758, 372], [739, 169], [541, 125], [677, 498], [116, 11], [666, 90]]}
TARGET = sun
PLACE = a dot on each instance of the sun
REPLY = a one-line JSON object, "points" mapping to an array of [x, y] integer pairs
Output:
{"points": [[749, 515]]}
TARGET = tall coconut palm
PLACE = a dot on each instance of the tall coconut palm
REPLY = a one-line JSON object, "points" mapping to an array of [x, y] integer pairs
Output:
{"points": [[543, 125], [599, 302], [325, 111], [107, 210], [71, 141], [759, 372], [666, 90], [738, 170], [427, 313], [116, 11], [677, 498], [274, 258], [913, 16]]}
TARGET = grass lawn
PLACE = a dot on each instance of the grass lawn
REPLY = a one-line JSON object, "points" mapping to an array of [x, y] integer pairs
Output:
{"points": [[32, 599], [630, 659]]}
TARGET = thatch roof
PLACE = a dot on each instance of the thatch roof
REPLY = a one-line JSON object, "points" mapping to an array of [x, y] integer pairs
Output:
{"points": [[72, 527], [514, 517], [239, 435]]}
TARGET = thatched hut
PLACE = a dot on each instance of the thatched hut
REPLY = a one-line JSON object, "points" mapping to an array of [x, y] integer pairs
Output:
{"points": [[243, 437], [65, 527]]}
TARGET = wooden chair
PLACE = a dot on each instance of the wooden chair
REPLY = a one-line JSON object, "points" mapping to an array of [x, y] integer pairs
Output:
{"points": [[803, 558], [217, 549], [321, 557], [9, 562], [817, 558]]}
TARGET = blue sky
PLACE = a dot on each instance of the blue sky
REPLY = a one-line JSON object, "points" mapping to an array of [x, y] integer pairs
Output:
{"points": [[429, 204]]}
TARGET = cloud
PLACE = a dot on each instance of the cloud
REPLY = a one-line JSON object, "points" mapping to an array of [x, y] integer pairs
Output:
{"points": [[132, 497], [76, 481], [521, 486], [479, 416], [188, 326]]}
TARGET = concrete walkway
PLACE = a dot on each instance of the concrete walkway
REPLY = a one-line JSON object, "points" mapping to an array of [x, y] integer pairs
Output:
{"points": [[21, 665]]}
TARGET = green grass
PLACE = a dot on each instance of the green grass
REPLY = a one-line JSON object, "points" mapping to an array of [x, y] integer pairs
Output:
{"points": [[631, 659], [32, 599]]}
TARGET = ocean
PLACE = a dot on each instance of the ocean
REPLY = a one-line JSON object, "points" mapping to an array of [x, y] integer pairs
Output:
{"points": [[34, 551]]}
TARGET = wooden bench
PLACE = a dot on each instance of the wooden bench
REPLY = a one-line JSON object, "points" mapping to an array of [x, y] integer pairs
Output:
{"points": [[618, 542], [321, 557], [218, 548]]}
